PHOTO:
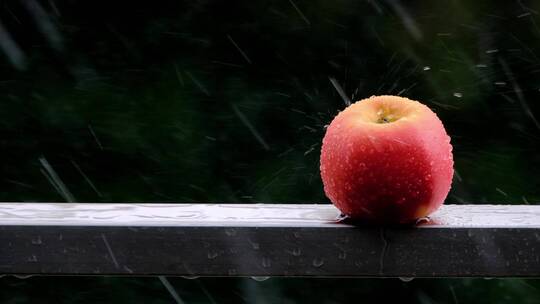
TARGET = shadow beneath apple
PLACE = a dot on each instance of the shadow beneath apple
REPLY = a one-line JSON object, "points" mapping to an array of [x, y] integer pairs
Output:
{"points": [[423, 221]]}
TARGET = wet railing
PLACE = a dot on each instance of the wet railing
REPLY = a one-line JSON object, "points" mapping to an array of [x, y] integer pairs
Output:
{"points": [[263, 240]]}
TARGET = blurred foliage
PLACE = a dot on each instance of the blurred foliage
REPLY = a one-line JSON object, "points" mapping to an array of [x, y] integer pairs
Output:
{"points": [[227, 101], [274, 290]]}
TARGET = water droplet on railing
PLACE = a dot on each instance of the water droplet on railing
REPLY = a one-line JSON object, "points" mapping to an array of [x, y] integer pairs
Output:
{"points": [[190, 277], [230, 232], [22, 276], [406, 279], [260, 279], [318, 262], [266, 262], [341, 218], [422, 220]]}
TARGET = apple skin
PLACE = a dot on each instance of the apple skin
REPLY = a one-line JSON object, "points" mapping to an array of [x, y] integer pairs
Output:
{"points": [[386, 159]]}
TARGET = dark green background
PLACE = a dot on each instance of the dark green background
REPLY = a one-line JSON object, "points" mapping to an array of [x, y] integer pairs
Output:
{"points": [[223, 101]]}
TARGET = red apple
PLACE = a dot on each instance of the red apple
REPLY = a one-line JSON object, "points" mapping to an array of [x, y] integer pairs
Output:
{"points": [[386, 159]]}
